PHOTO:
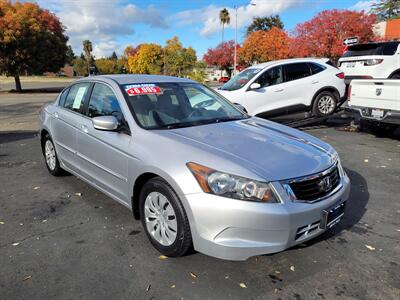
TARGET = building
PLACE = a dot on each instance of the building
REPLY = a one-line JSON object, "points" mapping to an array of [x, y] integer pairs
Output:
{"points": [[388, 30]]}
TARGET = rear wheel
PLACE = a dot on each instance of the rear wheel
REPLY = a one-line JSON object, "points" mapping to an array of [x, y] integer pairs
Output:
{"points": [[50, 156], [381, 129], [164, 218], [324, 104], [395, 76]]}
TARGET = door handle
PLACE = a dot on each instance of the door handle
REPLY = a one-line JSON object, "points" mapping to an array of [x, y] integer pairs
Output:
{"points": [[279, 90], [315, 81], [84, 128], [56, 114]]}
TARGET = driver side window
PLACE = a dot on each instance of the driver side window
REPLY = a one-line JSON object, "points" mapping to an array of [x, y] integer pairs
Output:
{"points": [[271, 77], [103, 102]]}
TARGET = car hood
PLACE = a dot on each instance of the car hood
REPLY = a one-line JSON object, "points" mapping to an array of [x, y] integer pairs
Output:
{"points": [[272, 151]]}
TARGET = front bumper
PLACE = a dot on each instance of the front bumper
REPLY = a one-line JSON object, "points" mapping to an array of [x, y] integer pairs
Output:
{"points": [[236, 230]]}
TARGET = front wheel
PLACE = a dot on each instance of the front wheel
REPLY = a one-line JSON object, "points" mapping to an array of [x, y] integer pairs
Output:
{"points": [[325, 104], [164, 218], [50, 156]]}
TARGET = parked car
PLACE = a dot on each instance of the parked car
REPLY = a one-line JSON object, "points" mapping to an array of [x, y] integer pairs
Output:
{"points": [[287, 86], [371, 60], [223, 79], [184, 171], [377, 102]]}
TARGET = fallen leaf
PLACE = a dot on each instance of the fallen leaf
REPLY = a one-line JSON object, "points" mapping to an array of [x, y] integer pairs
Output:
{"points": [[36, 187], [148, 288], [398, 230], [78, 194], [193, 275], [172, 286], [44, 221], [27, 277], [277, 272], [163, 257], [366, 160], [242, 285], [15, 244], [370, 247], [292, 268], [1, 223]]}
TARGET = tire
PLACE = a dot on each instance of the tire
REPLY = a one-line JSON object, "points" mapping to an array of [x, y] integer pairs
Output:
{"points": [[164, 218], [395, 76], [324, 104], [50, 157]]}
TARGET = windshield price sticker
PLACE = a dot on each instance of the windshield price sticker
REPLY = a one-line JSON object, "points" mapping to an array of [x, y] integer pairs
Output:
{"points": [[142, 89]]}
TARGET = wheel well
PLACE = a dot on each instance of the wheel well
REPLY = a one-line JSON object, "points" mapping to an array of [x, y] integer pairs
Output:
{"points": [[137, 187], [326, 89], [43, 134], [394, 73]]}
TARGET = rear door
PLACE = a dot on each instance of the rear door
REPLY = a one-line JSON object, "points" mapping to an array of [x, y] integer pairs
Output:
{"points": [[300, 86], [64, 124], [103, 154]]}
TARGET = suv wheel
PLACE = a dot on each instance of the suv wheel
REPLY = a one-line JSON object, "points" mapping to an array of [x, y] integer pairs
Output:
{"points": [[324, 104], [50, 156], [164, 218], [395, 76]]}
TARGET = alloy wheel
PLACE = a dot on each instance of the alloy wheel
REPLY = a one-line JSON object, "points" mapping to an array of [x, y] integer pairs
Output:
{"points": [[50, 154]]}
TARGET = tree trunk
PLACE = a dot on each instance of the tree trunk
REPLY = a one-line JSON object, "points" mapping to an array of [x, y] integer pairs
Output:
{"points": [[17, 83]]}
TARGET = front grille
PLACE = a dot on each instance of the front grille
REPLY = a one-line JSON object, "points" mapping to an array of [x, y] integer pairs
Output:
{"points": [[318, 187]]}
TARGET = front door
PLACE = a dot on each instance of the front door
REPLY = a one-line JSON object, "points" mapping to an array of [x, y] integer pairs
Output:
{"points": [[103, 154]]}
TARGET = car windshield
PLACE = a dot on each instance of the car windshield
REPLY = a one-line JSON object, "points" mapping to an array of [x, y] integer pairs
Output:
{"points": [[240, 79], [176, 105]]}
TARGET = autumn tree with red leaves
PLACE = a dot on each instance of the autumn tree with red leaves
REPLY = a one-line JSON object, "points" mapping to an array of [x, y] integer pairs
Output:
{"points": [[222, 56], [323, 35], [32, 40], [261, 46]]}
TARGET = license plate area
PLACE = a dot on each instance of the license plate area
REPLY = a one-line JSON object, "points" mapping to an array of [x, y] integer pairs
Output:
{"points": [[351, 64], [377, 113], [332, 216]]}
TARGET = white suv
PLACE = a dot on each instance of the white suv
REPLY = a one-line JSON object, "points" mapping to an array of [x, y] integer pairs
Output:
{"points": [[287, 86], [371, 61]]}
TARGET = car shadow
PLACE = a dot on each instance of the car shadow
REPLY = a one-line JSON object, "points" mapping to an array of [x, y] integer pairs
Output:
{"points": [[356, 206], [13, 136]]}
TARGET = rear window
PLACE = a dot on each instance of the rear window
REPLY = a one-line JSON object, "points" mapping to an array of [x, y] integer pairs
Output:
{"points": [[296, 71], [316, 68], [372, 49]]}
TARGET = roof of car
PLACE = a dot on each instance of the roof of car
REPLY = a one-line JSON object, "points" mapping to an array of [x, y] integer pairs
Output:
{"points": [[139, 78], [290, 60]]}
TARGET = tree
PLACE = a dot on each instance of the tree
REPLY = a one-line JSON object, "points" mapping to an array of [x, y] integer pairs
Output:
{"points": [[387, 9], [261, 46], [109, 65], [199, 72], [70, 55], [147, 60], [129, 51], [224, 19], [114, 56], [221, 56], [265, 23], [178, 60], [323, 35], [32, 40], [80, 66], [87, 49]]}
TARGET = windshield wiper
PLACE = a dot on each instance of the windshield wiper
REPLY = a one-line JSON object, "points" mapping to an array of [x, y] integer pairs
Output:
{"points": [[200, 122]]}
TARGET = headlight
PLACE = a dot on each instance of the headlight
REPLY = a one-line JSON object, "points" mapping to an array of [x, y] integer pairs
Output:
{"points": [[232, 186]]}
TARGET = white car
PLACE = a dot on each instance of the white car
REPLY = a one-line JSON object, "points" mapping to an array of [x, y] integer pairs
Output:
{"points": [[372, 60], [287, 86]]}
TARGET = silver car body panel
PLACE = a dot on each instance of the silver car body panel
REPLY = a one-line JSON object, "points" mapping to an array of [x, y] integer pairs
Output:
{"points": [[254, 148]]}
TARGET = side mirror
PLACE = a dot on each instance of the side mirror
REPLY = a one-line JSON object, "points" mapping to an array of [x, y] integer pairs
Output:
{"points": [[255, 86], [107, 123]]}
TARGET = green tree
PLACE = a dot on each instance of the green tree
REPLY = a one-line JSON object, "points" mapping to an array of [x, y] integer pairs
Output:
{"points": [[80, 66], [178, 60], [147, 60], [265, 23], [70, 55], [32, 40], [109, 65], [114, 56], [224, 18], [199, 72], [387, 9]]}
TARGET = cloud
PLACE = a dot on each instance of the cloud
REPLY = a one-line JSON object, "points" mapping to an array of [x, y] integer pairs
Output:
{"points": [[102, 22], [209, 16], [365, 5]]}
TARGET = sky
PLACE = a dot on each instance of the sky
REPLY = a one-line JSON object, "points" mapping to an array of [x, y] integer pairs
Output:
{"points": [[111, 25]]}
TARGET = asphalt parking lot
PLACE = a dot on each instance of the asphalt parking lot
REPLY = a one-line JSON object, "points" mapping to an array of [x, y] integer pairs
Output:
{"points": [[60, 238]]}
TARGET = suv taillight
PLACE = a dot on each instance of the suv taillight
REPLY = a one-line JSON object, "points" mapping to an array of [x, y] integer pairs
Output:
{"points": [[349, 93], [372, 62], [340, 75]]}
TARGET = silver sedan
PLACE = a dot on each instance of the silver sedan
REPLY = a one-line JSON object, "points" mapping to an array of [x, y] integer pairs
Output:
{"points": [[192, 166]]}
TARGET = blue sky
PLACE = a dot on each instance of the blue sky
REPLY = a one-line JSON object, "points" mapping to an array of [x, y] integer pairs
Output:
{"points": [[111, 25]]}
